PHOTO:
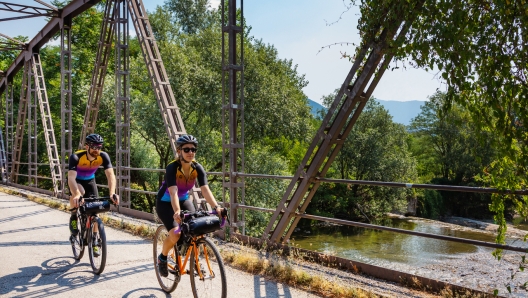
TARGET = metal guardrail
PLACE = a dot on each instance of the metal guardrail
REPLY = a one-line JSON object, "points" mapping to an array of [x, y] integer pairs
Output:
{"points": [[146, 215]]}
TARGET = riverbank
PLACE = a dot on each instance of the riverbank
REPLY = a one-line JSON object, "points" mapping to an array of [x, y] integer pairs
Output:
{"points": [[481, 270]]}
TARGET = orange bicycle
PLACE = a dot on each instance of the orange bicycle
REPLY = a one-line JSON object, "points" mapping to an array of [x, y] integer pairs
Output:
{"points": [[206, 267]]}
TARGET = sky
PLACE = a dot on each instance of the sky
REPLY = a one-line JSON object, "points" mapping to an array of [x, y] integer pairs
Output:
{"points": [[310, 33]]}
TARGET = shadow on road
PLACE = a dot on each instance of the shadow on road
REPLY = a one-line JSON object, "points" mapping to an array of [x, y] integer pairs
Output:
{"points": [[270, 289], [53, 278], [20, 206], [65, 242], [34, 228], [144, 293], [12, 218]]}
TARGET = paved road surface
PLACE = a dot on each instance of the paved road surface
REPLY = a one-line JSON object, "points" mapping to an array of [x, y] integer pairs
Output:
{"points": [[36, 261]]}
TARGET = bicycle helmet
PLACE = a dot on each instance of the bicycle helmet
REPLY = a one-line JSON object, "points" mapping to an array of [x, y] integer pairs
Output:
{"points": [[186, 139], [94, 139]]}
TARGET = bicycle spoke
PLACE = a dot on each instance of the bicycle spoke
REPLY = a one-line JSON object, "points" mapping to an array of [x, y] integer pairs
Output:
{"points": [[97, 246], [169, 283], [207, 271]]}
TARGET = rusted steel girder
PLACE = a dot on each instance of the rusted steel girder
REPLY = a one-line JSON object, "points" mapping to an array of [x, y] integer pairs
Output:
{"points": [[50, 29], [11, 44], [336, 126], [27, 11], [99, 72], [233, 112]]}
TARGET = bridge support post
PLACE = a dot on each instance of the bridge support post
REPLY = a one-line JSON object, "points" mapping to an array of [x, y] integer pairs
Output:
{"points": [[21, 121], [233, 113], [122, 95], [9, 130], [66, 102]]}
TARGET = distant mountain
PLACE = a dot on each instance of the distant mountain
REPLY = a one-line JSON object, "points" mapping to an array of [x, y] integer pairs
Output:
{"points": [[401, 111], [315, 107]]}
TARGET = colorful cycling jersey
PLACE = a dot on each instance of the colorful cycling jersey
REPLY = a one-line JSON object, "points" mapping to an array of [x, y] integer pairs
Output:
{"points": [[85, 168], [174, 176]]}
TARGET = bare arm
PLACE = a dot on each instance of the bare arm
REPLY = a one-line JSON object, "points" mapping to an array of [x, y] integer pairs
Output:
{"points": [[208, 195], [110, 176], [175, 202], [72, 184]]}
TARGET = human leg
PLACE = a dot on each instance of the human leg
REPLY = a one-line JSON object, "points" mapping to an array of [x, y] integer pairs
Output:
{"points": [[165, 214], [73, 217]]}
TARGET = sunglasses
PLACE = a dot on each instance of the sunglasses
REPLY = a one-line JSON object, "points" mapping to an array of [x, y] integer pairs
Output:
{"points": [[187, 150], [96, 147]]}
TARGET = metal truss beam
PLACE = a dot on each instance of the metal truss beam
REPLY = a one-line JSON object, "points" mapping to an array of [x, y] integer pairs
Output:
{"points": [[11, 44], [32, 131], [233, 113], [66, 100], [27, 11], [9, 128], [99, 72], [122, 93], [158, 76], [41, 96], [74, 8], [21, 120], [336, 126]]}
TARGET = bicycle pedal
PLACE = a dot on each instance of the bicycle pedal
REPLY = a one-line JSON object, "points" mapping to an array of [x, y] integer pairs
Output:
{"points": [[174, 272]]}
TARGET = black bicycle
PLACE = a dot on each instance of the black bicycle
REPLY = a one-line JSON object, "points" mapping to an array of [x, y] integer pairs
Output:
{"points": [[87, 222]]}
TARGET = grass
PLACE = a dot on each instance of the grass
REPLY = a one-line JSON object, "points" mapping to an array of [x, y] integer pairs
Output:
{"points": [[275, 268], [285, 273]]}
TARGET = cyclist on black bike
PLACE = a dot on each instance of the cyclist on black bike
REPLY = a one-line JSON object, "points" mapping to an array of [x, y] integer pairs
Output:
{"points": [[174, 194], [81, 175]]}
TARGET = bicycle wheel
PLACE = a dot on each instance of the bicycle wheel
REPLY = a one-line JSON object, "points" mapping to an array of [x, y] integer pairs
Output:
{"points": [[97, 246], [212, 280], [77, 242], [169, 283]]}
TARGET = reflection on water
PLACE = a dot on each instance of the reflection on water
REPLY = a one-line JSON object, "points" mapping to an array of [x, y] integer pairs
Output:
{"points": [[375, 247]]}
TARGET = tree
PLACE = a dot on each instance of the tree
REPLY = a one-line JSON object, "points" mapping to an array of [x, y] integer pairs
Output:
{"points": [[479, 47], [450, 150], [375, 150]]}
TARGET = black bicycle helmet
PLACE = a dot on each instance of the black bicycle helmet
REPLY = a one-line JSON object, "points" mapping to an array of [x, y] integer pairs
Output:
{"points": [[94, 139], [186, 139]]}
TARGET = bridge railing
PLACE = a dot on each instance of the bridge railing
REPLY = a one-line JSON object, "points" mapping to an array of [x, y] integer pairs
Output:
{"points": [[150, 216]]}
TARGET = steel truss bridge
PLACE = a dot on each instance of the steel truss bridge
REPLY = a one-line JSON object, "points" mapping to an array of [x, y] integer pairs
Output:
{"points": [[348, 104]]}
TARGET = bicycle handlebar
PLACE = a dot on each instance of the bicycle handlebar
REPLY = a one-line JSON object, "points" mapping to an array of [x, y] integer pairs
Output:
{"points": [[94, 199]]}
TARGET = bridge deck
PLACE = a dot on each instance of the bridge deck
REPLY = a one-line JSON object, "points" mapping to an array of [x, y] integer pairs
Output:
{"points": [[36, 261]]}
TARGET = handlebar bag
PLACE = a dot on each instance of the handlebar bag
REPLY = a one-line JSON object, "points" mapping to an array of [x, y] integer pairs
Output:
{"points": [[201, 225], [95, 207]]}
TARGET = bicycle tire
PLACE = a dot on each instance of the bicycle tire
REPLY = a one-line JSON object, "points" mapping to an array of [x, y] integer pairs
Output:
{"points": [[77, 242], [169, 283], [98, 262], [212, 269]]}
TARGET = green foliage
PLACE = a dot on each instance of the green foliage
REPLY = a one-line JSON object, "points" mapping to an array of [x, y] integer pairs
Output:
{"points": [[479, 47], [265, 193], [375, 150], [430, 204], [445, 142]]}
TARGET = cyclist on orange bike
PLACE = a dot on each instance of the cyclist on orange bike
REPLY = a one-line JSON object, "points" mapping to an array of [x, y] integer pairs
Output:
{"points": [[81, 175], [174, 194]]}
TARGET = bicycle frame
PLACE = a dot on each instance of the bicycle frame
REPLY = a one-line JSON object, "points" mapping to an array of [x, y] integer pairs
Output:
{"points": [[192, 248]]}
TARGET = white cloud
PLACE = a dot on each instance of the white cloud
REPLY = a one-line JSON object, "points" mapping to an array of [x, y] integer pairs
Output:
{"points": [[214, 3]]}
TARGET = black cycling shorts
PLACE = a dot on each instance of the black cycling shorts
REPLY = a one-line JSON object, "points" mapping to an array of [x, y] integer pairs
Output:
{"points": [[90, 188], [166, 213]]}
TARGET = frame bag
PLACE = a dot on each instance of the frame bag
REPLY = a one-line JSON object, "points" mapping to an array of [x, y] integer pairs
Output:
{"points": [[95, 207], [201, 225]]}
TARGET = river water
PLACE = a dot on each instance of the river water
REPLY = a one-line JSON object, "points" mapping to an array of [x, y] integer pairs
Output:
{"points": [[382, 247]]}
